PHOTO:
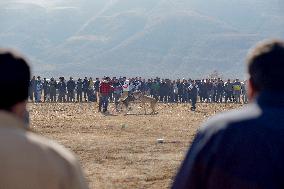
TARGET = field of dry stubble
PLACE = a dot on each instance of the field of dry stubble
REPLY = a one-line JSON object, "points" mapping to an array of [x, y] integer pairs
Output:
{"points": [[119, 151]]}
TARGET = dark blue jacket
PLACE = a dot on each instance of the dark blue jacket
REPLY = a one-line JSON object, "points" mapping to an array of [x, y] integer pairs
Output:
{"points": [[193, 91], [71, 85], [61, 87], [241, 149], [85, 85], [79, 86], [97, 85]]}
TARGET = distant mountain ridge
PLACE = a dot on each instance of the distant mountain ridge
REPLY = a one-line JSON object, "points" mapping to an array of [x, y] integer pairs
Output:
{"points": [[169, 38]]}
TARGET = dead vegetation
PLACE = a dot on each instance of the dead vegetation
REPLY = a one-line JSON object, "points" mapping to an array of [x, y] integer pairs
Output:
{"points": [[119, 151]]}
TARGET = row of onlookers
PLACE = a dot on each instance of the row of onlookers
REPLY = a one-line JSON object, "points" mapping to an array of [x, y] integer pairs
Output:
{"points": [[168, 91]]}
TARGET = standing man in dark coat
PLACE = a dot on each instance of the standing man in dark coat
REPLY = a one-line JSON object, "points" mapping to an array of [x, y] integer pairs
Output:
{"points": [[79, 89], [162, 90], [38, 91], [62, 90], [45, 87], [53, 86], [185, 95], [155, 88], [117, 91], [32, 88], [180, 90], [71, 85], [85, 88], [228, 91], [220, 90], [210, 90], [244, 149], [193, 92], [97, 88]]}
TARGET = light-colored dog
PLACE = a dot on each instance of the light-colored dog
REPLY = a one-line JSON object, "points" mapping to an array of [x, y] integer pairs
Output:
{"points": [[139, 96]]}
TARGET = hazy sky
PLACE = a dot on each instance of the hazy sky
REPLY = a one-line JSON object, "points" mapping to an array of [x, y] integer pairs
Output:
{"points": [[43, 3]]}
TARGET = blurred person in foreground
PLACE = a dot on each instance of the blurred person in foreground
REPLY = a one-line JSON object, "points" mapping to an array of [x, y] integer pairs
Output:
{"points": [[244, 149], [29, 161]]}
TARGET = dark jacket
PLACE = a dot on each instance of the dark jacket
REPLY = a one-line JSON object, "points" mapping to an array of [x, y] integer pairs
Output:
{"points": [[85, 85], [61, 87], [241, 149], [193, 91], [45, 85], [33, 85], [79, 86], [71, 85], [53, 85], [97, 85]]}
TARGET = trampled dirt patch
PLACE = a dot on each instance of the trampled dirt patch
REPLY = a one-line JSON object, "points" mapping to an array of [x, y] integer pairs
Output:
{"points": [[119, 151]]}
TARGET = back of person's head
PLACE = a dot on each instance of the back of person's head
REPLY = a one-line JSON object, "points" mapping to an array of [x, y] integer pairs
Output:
{"points": [[266, 66], [14, 79]]}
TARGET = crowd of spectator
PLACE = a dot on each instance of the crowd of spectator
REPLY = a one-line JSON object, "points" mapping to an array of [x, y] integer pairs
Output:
{"points": [[165, 90]]}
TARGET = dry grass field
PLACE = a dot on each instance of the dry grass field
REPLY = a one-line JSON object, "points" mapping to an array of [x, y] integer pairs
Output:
{"points": [[121, 151]]}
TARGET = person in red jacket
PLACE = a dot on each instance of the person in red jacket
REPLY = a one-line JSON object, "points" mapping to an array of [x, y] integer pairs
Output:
{"points": [[104, 91]]}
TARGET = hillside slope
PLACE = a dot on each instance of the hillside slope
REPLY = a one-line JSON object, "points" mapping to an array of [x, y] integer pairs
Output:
{"points": [[181, 38]]}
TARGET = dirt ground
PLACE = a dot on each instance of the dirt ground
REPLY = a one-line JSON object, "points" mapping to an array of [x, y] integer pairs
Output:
{"points": [[121, 151]]}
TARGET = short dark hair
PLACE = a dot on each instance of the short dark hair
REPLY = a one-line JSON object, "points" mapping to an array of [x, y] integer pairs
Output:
{"points": [[266, 66], [14, 79]]}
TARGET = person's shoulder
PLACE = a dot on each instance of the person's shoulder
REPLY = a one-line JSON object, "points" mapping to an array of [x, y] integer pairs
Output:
{"points": [[225, 120], [55, 160], [50, 148]]}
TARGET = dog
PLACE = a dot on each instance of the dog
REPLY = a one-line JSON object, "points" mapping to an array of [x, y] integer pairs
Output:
{"points": [[138, 96], [126, 101]]}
